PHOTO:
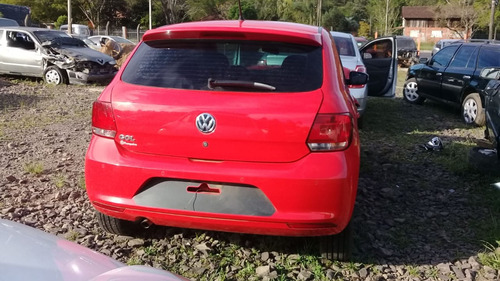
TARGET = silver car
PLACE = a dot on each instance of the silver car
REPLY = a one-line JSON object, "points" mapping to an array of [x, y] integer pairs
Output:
{"points": [[350, 57], [53, 55], [31, 254]]}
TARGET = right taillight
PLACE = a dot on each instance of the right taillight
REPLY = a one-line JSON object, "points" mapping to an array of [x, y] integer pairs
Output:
{"points": [[103, 120], [330, 132]]}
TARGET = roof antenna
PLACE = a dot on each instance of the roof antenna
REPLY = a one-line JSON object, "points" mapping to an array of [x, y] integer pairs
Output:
{"points": [[241, 14]]}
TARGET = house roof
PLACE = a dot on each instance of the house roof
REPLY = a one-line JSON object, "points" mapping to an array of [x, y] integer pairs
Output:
{"points": [[422, 12], [418, 12]]}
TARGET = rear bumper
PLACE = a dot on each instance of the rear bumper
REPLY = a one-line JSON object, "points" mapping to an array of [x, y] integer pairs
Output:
{"points": [[311, 197]]}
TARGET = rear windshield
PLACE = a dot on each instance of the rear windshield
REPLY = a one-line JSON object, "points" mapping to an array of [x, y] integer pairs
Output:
{"points": [[345, 47], [234, 65], [406, 43]]}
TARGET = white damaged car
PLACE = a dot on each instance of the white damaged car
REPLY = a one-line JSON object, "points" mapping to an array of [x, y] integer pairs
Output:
{"points": [[53, 55]]}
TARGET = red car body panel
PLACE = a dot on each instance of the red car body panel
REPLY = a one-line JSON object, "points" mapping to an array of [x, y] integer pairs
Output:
{"points": [[260, 141]]}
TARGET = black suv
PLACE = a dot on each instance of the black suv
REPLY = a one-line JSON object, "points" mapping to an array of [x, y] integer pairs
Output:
{"points": [[492, 105], [407, 51], [452, 76]]}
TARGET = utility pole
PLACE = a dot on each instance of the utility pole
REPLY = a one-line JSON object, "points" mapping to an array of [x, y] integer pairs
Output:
{"points": [[150, 24], [70, 19], [492, 18]]}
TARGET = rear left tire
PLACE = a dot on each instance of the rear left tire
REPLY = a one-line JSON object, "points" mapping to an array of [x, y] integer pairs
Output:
{"points": [[339, 246], [117, 226], [472, 110]]}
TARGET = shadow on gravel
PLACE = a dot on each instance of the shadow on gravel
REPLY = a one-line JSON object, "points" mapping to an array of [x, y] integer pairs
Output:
{"points": [[416, 206], [12, 100]]}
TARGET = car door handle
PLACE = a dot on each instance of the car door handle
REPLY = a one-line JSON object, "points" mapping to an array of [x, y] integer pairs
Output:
{"points": [[466, 77], [439, 74]]}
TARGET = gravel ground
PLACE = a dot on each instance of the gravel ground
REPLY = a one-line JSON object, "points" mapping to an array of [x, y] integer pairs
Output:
{"points": [[412, 221]]}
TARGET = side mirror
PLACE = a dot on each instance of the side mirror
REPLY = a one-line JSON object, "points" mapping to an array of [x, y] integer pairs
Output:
{"points": [[490, 73], [423, 60], [357, 78]]}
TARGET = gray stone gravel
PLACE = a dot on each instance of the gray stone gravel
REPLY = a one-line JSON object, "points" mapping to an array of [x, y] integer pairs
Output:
{"points": [[412, 222]]}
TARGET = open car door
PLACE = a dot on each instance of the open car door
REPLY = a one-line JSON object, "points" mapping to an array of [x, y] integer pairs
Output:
{"points": [[381, 62]]}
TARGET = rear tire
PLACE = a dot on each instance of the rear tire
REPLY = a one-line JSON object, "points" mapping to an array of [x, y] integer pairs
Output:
{"points": [[472, 110], [410, 92], [117, 226], [339, 246]]}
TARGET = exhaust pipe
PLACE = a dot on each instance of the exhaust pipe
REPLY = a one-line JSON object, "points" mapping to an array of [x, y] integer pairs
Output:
{"points": [[145, 223]]}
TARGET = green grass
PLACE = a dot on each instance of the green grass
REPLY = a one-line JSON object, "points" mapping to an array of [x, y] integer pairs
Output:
{"points": [[491, 257], [396, 130], [34, 168], [59, 180]]}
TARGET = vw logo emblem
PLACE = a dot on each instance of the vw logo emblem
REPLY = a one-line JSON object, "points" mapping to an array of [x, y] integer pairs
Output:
{"points": [[205, 123]]}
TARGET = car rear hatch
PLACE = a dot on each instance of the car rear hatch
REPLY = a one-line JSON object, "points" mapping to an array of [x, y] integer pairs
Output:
{"points": [[219, 99]]}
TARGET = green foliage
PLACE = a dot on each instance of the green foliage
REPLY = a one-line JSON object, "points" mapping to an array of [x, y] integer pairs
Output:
{"points": [[34, 168], [491, 257], [247, 9], [60, 21], [364, 29], [335, 20]]}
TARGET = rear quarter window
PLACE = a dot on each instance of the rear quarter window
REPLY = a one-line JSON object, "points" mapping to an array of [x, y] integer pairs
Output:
{"points": [[189, 64], [488, 56], [344, 46]]}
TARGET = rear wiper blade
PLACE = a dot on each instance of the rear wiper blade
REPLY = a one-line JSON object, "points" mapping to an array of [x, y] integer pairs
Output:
{"points": [[212, 83]]}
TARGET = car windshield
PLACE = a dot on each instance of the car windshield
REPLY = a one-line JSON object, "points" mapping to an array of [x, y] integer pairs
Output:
{"points": [[121, 39], [226, 65], [344, 45], [49, 35]]}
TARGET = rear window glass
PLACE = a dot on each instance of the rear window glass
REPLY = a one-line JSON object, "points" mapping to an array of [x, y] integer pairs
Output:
{"points": [[345, 47], [191, 64], [406, 43], [489, 56]]}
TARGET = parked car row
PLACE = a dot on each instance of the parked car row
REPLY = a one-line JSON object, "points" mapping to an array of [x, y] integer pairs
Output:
{"points": [[452, 76]]}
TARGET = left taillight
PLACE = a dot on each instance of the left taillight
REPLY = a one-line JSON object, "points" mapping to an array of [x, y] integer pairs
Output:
{"points": [[359, 68], [103, 120], [330, 132]]}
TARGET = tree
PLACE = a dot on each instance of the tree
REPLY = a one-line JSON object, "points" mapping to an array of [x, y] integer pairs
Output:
{"points": [[462, 10], [92, 9], [335, 20], [247, 9], [208, 9], [173, 10], [385, 16]]}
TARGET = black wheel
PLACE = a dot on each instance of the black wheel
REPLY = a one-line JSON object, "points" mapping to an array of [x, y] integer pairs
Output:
{"points": [[117, 226], [472, 110], [54, 75], [410, 92], [337, 247]]}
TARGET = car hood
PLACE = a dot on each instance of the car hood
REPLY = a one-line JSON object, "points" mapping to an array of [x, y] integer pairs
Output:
{"points": [[76, 49], [31, 254], [84, 54]]}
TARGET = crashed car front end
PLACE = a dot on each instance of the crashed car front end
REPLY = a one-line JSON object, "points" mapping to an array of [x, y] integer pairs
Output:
{"points": [[82, 64]]}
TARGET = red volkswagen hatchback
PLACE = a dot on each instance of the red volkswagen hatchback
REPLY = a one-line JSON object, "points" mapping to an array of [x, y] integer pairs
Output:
{"points": [[239, 126]]}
